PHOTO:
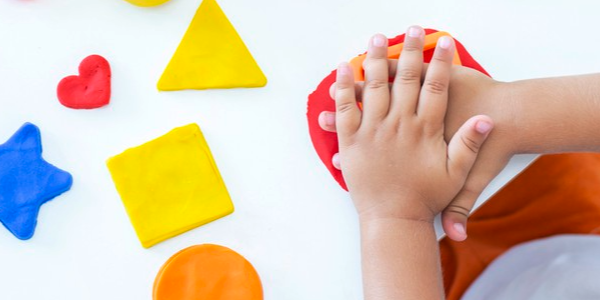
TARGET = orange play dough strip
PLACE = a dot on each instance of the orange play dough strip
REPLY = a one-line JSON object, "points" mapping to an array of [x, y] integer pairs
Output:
{"points": [[394, 52], [207, 272]]}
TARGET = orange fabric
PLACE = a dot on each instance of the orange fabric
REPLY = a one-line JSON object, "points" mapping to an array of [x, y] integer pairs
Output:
{"points": [[557, 194], [207, 272]]}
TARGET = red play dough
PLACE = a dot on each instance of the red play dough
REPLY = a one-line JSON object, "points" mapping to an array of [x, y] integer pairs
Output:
{"points": [[91, 89], [325, 142]]}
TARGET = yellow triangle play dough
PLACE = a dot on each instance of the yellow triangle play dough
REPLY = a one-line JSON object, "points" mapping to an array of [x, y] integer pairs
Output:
{"points": [[211, 55]]}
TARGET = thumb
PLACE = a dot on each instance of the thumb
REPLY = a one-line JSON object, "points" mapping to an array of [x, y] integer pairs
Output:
{"points": [[463, 150], [465, 144], [455, 215]]}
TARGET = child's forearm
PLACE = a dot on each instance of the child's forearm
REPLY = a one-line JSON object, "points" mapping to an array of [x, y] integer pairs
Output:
{"points": [[556, 114], [400, 260]]}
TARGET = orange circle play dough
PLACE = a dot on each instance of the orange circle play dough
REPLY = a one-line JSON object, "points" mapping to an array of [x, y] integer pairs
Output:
{"points": [[207, 272]]}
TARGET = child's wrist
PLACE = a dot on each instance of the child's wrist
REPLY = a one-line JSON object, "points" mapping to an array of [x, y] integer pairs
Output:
{"points": [[521, 124], [370, 225], [399, 209], [509, 118]]}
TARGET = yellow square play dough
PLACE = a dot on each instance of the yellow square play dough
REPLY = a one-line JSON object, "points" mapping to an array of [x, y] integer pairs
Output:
{"points": [[170, 185]]}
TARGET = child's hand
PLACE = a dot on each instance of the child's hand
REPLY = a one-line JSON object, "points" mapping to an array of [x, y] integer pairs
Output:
{"points": [[470, 93], [393, 154]]}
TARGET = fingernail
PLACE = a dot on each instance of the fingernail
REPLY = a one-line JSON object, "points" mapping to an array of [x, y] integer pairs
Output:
{"points": [[460, 228], [483, 127], [329, 119], [414, 31], [343, 69], [378, 41], [335, 160], [445, 42]]}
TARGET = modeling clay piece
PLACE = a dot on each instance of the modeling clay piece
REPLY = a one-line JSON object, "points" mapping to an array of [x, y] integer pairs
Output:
{"points": [[170, 185], [27, 181], [91, 89], [207, 272], [326, 143], [147, 3], [211, 55]]}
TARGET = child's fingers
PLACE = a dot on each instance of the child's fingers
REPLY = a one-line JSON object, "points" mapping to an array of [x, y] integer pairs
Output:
{"points": [[335, 161], [392, 67], [465, 144], [455, 216], [358, 90], [434, 94], [407, 81], [454, 221], [462, 153], [327, 121], [358, 86], [348, 115], [376, 94]]}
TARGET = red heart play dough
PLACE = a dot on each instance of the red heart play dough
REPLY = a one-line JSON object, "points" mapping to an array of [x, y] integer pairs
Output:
{"points": [[91, 89], [326, 143]]}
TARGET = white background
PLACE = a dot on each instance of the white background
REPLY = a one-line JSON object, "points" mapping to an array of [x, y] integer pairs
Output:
{"points": [[292, 221]]}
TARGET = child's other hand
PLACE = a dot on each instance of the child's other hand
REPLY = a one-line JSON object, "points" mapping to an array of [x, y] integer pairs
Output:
{"points": [[470, 93], [392, 153]]}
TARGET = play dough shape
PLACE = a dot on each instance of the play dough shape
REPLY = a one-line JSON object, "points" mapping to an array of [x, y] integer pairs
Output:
{"points": [[207, 272], [90, 89], [211, 55], [147, 3], [27, 181], [170, 185], [326, 143]]}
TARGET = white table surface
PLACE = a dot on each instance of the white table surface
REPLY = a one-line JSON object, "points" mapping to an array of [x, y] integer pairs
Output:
{"points": [[292, 221]]}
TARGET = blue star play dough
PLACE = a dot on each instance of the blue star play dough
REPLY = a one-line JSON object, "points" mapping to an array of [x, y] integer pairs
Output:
{"points": [[27, 181]]}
